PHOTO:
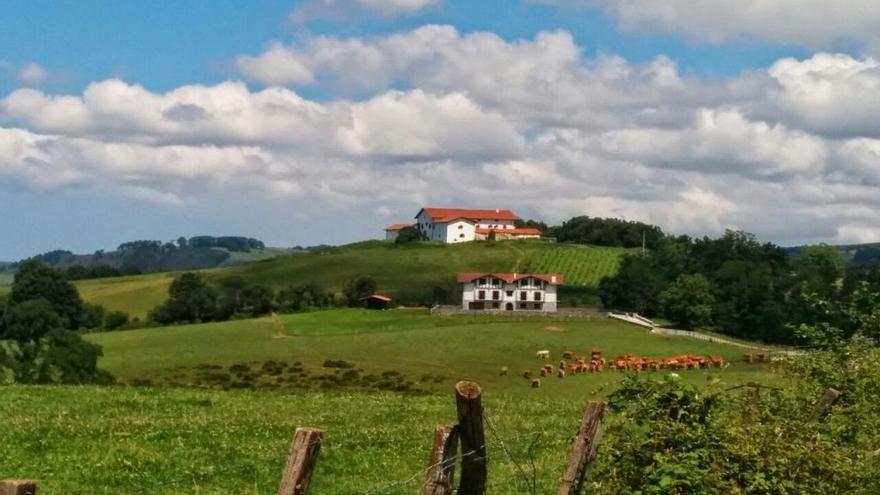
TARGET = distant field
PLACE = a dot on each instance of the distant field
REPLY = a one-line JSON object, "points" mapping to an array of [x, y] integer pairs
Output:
{"points": [[431, 353], [6, 279], [407, 273], [239, 257], [135, 295]]}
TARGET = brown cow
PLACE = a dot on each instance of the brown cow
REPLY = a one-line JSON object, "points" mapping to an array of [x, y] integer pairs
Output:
{"points": [[536, 383], [504, 371]]}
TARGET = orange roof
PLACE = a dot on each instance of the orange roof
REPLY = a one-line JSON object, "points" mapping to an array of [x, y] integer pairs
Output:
{"points": [[399, 226], [378, 297], [550, 278], [447, 214], [514, 231]]}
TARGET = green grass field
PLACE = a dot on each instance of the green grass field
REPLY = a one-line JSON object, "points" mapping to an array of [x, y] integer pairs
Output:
{"points": [[135, 295], [172, 440], [408, 272], [411, 347], [133, 441]]}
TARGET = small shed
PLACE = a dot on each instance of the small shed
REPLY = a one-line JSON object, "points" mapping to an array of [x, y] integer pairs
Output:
{"points": [[376, 301]]}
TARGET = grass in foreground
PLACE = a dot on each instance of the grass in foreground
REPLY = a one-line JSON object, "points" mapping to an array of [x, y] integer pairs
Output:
{"points": [[429, 353], [120, 441]]}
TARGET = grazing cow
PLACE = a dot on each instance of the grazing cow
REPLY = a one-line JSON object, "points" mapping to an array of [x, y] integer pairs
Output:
{"points": [[536, 383], [561, 373], [717, 361], [567, 354], [748, 358], [504, 371], [762, 358], [543, 371], [527, 374], [543, 354], [562, 364]]}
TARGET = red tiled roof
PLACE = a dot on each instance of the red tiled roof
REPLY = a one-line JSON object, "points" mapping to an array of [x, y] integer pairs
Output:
{"points": [[447, 214], [550, 278], [514, 231], [399, 226], [379, 297]]}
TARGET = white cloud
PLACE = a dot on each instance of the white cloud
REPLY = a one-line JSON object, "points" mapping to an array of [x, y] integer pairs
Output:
{"points": [[342, 9], [435, 116], [32, 74], [811, 23]]}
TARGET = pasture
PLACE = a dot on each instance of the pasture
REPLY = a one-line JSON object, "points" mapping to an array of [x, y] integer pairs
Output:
{"points": [[135, 295], [398, 349], [174, 438]]}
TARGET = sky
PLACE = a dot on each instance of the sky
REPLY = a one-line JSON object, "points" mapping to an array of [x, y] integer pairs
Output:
{"points": [[322, 121]]}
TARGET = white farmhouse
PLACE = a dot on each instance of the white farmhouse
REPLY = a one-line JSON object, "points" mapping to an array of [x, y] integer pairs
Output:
{"points": [[451, 225], [509, 291]]}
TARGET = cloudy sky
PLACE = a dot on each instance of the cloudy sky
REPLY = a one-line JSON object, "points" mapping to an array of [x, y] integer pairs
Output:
{"points": [[321, 121]]}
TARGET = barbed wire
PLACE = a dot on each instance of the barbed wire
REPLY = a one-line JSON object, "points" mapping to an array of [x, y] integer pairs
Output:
{"points": [[382, 490], [491, 424]]}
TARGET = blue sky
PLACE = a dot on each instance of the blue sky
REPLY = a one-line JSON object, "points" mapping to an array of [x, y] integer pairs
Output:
{"points": [[698, 119]]}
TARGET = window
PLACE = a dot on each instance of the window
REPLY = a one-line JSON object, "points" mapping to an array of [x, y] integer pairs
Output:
{"points": [[496, 305], [460, 226], [482, 281], [461, 236], [522, 305], [537, 296], [496, 295], [538, 306], [481, 294], [523, 296], [510, 293]]}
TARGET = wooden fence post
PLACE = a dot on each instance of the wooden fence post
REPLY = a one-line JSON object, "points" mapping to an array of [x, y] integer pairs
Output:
{"points": [[826, 401], [584, 449], [300, 461], [18, 487], [441, 464], [473, 438]]}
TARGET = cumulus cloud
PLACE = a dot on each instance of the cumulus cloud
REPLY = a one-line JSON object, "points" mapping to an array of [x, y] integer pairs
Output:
{"points": [[432, 115], [29, 75], [341, 9], [810, 23]]}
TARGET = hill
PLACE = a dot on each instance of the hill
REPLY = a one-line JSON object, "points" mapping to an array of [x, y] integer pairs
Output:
{"points": [[854, 253], [409, 273]]}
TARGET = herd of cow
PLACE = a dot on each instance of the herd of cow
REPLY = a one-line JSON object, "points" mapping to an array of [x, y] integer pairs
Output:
{"points": [[597, 363]]}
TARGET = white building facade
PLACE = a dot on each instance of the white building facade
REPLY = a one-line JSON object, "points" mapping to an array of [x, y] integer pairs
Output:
{"points": [[509, 291], [454, 225]]}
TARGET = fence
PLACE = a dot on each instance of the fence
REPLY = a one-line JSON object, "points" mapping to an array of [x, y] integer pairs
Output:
{"points": [[560, 313], [461, 445]]}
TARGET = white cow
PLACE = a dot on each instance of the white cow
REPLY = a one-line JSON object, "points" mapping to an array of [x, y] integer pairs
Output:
{"points": [[543, 354]]}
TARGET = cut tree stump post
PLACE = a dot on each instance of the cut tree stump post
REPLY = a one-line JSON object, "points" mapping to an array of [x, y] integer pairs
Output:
{"points": [[473, 438], [300, 461], [584, 449], [18, 487], [825, 402], [441, 464]]}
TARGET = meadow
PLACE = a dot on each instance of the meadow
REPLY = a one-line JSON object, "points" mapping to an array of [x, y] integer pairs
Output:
{"points": [[405, 349], [184, 430], [405, 272]]}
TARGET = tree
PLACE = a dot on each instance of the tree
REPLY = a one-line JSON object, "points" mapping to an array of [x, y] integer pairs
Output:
{"points": [[359, 288], [820, 268], [115, 320], [190, 299], [407, 235], [688, 301], [636, 286], [30, 320], [35, 280], [257, 300], [303, 297]]}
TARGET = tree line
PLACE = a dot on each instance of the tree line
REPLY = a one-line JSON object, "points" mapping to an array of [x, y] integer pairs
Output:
{"points": [[194, 298], [740, 286]]}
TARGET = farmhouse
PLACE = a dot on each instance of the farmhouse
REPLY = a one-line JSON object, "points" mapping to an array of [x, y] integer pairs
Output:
{"points": [[509, 291], [451, 225], [391, 231]]}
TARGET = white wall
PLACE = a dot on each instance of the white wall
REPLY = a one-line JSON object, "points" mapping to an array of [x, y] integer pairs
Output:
{"points": [[459, 231], [470, 291]]}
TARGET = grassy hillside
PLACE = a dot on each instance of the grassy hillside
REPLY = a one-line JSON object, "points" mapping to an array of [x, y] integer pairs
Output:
{"points": [[135, 295], [133, 440], [400, 346], [408, 272]]}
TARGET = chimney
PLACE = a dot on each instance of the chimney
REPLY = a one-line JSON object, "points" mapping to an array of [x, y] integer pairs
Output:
{"points": [[553, 279]]}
